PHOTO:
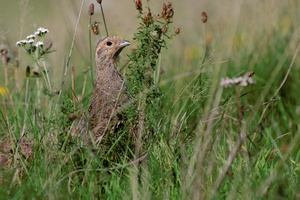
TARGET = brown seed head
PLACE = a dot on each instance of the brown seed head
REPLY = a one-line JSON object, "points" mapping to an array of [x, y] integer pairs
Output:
{"points": [[204, 17], [146, 21], [164, 6], [149, 15], [4, 53], [99, 1], [177, 31], [95, 28], [167, 11], [91, 9], [171, 13], [139, 5], [164, 11]]}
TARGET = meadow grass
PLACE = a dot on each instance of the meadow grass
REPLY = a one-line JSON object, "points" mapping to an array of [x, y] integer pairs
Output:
{"points": [[199, 139]]}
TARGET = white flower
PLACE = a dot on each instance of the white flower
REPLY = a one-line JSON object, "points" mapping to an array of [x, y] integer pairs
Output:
{"points": [[21, 42], [241, 81], [39, 44], [30, 41], [30, 37], [42, 30]]}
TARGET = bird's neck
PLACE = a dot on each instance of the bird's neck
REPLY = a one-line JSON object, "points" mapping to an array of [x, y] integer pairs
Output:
{"points": [[104, 70]]}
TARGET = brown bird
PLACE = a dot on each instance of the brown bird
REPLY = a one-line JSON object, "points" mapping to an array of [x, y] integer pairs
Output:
{"points": [[109, 87]]}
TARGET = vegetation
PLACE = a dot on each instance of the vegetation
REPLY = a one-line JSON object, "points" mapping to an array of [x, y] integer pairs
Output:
{"points": [[210, 124]]}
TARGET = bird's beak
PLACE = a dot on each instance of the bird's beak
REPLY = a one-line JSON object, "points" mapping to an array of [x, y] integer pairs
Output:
{"points": [[124, 43], [121, 46]]}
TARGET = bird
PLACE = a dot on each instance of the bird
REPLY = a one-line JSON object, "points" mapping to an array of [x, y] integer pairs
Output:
{"points": [[109, 86]]}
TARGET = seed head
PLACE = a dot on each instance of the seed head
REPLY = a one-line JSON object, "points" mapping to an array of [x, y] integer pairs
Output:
{"points": [[171, 13], [95, 28], [139, 5], [167, 11], [3, 50], [177, 31], [91, 9], [164, 6], [149, 15], [4, 53], [204, 17], [146, 21], [164, 10]]}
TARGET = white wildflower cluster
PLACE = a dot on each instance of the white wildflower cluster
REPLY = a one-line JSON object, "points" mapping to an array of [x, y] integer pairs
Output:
{"points": [[241, 81], [29, 44], [41, 32]]}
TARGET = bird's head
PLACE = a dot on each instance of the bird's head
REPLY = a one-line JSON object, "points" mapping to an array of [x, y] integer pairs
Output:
{"points": [[110, 47]]}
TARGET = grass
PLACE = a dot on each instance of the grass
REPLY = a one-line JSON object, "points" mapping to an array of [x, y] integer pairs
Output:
{"points": [[200, 140]]}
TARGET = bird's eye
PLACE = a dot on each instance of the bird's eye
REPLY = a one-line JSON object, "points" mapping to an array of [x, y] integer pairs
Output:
{"points": [[108, 43]]}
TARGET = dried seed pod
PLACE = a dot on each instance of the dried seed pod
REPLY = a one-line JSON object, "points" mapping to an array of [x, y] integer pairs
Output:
{"points": [[164, 6], [171, 13], [177, 31], [4, 53], [91, 9], [164, 11], [146, 21], [204, 17], [95, 28], [99, 1], [149, 15], [139, 5], [3, 50]]}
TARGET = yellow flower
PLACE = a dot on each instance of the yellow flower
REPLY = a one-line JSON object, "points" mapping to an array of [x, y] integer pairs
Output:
{"points": [[2, 91]]}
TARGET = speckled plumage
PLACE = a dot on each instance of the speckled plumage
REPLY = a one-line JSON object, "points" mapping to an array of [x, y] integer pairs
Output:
{"points": [[109, 87]]}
